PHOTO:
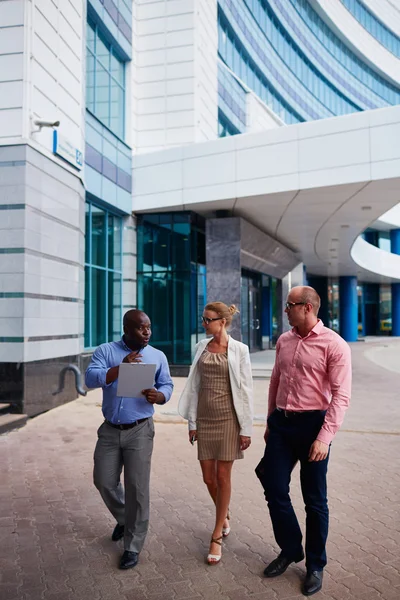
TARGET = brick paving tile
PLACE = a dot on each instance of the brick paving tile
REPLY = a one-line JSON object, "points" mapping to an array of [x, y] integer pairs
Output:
{"points": [[55, 531], [268, 594], [49, 595]]}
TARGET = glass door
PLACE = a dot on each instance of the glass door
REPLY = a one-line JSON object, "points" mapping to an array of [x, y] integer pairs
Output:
{"points": [[251, 310], [254, 317]]}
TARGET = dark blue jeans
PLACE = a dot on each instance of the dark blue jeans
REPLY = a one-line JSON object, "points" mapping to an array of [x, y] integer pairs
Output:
{"points": [[289, 441]]}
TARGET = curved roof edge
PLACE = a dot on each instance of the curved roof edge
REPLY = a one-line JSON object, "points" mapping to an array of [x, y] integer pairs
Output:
{"points": [[358, 39], [374, 260]]}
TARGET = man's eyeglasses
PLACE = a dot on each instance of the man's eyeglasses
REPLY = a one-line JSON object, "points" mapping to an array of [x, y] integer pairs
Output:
{"points": [[207, 321], [289, 305]]}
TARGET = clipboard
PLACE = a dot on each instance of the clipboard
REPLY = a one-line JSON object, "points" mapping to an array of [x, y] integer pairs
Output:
{"points": [[135, 377]]}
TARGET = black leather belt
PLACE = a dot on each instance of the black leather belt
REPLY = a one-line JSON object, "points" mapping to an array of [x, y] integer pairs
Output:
{"points": [[297, 413], [126, 425]]}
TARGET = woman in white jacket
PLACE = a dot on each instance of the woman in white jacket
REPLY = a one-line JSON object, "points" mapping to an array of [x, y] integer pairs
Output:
{"points": [[218, 403]]}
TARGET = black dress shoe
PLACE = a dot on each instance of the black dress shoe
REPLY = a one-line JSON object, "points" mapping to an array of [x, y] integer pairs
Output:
{"points": [[128, 560], [118, 532], [312, 583], [280, 564]]}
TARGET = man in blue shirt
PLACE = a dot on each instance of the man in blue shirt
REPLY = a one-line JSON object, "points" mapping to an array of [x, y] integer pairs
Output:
{"points": [[125, 439]]}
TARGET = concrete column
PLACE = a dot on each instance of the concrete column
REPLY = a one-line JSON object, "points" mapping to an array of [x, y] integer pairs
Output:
{"points": [[395, 249], [348, 306], [320, 285]]}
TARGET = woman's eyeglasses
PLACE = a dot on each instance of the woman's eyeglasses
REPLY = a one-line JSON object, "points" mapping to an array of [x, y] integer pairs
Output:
{"points": [[207, 321]]}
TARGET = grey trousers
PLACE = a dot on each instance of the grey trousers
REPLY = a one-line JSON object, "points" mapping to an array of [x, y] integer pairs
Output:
{"points": [[131, 449]]}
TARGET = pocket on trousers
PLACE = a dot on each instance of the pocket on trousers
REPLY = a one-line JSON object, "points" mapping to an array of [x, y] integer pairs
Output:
{"points": [[152, 431]]}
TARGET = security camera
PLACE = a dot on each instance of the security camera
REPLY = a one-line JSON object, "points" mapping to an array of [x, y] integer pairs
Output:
{"points": [[41, 123]]}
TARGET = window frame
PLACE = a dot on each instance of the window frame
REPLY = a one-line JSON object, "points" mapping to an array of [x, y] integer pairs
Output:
{"points": [[89, 266], [112, 80]]}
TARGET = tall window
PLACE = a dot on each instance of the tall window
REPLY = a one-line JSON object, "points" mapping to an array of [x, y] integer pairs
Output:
{"points": [[103, 276], [172, 280], [105, 81]]}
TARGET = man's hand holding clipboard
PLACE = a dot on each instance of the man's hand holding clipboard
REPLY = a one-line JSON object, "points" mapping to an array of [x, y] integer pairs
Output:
{"points": [[153, 396]]}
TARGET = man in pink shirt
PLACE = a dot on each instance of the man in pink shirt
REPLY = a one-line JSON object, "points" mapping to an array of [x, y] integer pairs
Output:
{"points": [[308, 396]]}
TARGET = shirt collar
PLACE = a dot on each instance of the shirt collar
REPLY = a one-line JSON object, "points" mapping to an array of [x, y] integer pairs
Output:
{"points": [[317, 329], [125, 347]]}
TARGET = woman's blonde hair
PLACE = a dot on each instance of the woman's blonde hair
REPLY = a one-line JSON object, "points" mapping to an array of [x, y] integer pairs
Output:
{"points": [[222, 310]]}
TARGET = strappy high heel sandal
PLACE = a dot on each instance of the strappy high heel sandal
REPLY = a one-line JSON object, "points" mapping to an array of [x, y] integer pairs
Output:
{"points": [[213, 559], [226, 530]]}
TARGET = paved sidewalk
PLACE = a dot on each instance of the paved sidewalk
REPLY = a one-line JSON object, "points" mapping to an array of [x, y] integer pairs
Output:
{"points": [[55, 531]]}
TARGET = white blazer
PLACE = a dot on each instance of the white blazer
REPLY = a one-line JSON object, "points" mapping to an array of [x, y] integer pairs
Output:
{"points": [[241, 385]]}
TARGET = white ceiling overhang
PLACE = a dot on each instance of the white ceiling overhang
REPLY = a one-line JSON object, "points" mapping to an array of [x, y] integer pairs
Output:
{"points": [[314, 186]]}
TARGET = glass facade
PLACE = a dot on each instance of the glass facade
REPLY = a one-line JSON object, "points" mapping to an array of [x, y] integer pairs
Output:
{"points": [[374, 308], [105, 81], [251, 69], [103, 276], [385, 310], [366, 78], [225, 127], [172, 280], [232, 100], [294, 62], [374, 26]]}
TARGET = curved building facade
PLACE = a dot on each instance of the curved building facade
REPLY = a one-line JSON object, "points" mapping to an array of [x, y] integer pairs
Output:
{"points": [[290, 57]]}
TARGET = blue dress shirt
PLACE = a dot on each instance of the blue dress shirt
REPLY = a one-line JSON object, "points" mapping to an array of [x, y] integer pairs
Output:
{"points": [[118, 409]]}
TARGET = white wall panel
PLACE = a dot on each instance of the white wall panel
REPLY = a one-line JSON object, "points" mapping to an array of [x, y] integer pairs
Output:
{"points": [[11, 40], [11, 67], [174, 72], [11, 94]]}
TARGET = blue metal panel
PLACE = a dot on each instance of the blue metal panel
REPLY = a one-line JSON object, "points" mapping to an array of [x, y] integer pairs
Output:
{"points": [[395, 241]]}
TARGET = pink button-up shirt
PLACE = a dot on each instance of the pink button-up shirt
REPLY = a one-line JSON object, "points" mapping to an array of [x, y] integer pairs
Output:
{"points": [[312, 373]]}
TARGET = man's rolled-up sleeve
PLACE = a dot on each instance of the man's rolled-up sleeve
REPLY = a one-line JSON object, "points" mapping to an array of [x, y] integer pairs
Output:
{"points": [[164, 382], [340, 381]]}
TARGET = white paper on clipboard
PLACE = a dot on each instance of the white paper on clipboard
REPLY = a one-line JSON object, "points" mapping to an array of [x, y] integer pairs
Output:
{"points": [[135, 377]]}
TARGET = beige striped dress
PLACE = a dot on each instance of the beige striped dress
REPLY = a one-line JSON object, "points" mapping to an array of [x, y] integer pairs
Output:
{"points": [[217, 424]]}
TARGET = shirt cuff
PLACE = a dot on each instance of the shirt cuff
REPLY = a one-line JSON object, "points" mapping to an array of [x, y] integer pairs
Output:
{"points": [[325, 437]]}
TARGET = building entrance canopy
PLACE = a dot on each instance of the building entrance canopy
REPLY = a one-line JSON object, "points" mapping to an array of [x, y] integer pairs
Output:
{"points": [[312, 186]]}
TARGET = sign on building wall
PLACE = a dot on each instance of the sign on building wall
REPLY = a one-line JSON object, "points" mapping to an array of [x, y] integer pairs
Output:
{"points": [[63, 148]]}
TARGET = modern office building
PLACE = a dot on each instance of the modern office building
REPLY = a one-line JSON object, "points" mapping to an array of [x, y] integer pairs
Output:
{"points": [[162, 153]]}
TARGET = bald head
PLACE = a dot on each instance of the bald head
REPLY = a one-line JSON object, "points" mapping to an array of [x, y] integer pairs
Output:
{"points": [[307, 294], [133, 316]]}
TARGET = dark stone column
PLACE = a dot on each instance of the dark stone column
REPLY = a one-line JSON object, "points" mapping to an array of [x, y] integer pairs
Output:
{"points": [[223, 265]]}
